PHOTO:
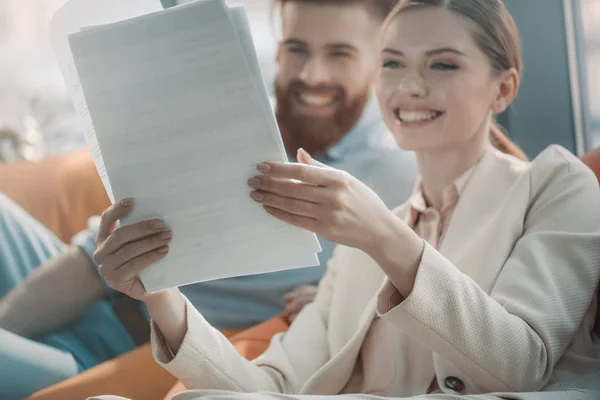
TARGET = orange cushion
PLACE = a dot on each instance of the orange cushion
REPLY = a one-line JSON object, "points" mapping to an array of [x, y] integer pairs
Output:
{"points": [[592, 160], [134, 375], [61, 192], [250, 343]]}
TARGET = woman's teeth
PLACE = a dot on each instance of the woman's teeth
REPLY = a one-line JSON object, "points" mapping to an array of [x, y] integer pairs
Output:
{"points": [[417, 116], [316, 100]]}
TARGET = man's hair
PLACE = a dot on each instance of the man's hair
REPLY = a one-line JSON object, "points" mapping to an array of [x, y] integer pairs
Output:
{"points": [[379, 8]]}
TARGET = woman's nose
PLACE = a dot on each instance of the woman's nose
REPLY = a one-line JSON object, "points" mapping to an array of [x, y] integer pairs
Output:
{"points": [[413, 85]]}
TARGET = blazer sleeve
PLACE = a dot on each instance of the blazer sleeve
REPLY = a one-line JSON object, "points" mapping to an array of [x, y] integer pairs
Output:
{"points": [[207, 360], [512, 338]]}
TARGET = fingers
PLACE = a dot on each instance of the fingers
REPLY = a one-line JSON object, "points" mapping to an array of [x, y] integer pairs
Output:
{"points": [[132, 268], [306, 158], [298, 299], [298, 304], [307, 223], [110, 217], [292, 206], [137, 248], [123, 256], [289, 188], [127, 234], [118, 278], [316, 175], [300, 291]]}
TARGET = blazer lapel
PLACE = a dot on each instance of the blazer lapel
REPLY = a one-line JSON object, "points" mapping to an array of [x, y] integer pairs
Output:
{"points": [[480, 201]]}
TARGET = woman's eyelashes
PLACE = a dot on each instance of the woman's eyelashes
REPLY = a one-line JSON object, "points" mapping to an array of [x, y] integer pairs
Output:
{"points": [[392, 64], [443, 66], [438, 66]]}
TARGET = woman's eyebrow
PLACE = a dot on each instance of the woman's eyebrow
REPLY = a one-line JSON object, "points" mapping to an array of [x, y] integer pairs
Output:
{"points": [[433, 52]]}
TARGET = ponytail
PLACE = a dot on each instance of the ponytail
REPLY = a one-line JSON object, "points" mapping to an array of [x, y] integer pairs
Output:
{"points": [[504, 144]]}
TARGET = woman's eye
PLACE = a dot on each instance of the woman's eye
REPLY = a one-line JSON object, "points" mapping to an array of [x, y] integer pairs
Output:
{"points": [[391, 64], [444, 66]]}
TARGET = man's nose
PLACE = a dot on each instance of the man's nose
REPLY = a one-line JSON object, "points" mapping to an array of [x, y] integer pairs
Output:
{"points": [[315, 72]]}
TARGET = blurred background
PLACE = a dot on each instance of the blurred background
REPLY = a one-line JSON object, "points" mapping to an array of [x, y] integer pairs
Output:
{"points": [[561, 86]]}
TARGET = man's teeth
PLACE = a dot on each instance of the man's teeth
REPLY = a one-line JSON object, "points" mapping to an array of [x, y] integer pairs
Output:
{"points": [[417, 116], [316, 100]]}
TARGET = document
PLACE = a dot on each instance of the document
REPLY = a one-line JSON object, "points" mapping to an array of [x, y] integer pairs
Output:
{"points": [[73, 16], [178, 119]]}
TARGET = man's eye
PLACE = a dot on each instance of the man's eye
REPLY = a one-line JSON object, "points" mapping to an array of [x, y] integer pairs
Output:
{"points": [[298, 50], [444, 66], [340, 54], [391, 64]]}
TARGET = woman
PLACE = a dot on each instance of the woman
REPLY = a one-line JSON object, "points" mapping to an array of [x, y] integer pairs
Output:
{"points": [[482, 282]]}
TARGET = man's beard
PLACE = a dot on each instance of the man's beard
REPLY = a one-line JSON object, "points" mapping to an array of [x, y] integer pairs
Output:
{"points": [[316, 134]]}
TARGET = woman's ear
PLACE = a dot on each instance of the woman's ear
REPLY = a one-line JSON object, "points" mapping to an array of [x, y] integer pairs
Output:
{"points": [[508, 87]]}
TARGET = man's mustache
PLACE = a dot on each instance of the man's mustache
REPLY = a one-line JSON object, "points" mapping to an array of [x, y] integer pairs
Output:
{"points": [[299, 86]]}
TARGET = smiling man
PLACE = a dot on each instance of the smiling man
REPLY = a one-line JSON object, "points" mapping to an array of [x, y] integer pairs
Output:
{"points": [[51, 297], [328, 58]]}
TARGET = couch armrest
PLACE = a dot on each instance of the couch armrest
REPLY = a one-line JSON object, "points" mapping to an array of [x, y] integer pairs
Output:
{"points": [[61, 192]]}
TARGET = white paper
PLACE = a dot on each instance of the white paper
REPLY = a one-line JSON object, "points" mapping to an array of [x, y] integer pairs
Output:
{"points": [[239, 19], [73, 16], [182, 118]]}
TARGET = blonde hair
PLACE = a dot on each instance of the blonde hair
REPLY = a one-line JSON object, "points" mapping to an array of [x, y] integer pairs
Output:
{"points": [[500, 141]]}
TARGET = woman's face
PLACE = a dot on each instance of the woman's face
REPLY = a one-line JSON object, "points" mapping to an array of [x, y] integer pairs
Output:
{"points": [[436, 88]]}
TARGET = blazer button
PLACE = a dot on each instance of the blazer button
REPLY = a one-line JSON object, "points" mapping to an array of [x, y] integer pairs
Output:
{"points": [[453, 383]]}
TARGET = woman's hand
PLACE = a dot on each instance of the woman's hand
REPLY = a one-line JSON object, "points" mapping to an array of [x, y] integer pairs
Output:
{"points": [[326, 201], [122, 253]]}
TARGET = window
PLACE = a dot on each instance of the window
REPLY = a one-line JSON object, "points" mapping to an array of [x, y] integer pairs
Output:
{"points": [[586, 68]]}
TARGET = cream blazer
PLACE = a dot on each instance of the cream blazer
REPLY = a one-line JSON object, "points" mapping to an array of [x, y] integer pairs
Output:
{"points": [[506, 305]]}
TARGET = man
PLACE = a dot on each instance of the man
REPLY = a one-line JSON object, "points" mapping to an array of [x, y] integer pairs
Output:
{"points": [[328, 58]]}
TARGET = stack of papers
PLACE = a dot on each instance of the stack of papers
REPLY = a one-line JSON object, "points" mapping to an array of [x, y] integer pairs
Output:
{"points": [[177, 117]]}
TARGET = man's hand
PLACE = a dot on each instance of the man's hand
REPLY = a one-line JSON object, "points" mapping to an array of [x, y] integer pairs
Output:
{"points": [[297, 299], [122, 253]]}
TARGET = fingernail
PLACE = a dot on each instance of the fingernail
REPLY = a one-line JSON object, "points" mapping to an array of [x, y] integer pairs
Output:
{"points": [[263, 167], [257, 196], [269, 209], [166, 235], [163, 250], [157, 224], [254, 182], [304, 152], [126, 202]]}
